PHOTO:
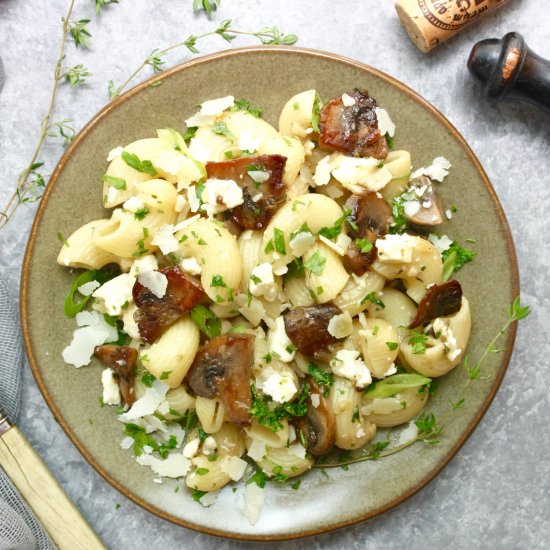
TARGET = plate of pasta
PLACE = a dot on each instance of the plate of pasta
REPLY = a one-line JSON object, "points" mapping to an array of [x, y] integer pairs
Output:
{"points": [[243, 299]]}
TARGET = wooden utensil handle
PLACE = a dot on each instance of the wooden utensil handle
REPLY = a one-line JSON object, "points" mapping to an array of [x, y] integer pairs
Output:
{"points": [[509, 68], [58, 514]]}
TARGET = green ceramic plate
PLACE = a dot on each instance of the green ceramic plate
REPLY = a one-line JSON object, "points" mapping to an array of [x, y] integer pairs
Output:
{"points": [[267, 76]]}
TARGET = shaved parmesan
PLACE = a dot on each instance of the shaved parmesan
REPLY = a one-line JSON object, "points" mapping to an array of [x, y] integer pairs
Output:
{"points": [[155, 281], [254, 498], [234, 467], [148, 403], [174, 465]]}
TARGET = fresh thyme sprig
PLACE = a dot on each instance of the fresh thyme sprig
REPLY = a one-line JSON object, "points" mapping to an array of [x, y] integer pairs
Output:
{"points": [[80, 32], [31, 182], [207, 5], [266, 35], [63, 130], [429, 427], [101, 3], [76, 75]]}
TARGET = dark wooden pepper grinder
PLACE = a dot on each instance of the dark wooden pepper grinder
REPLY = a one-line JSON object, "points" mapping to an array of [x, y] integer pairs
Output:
{"points": [[508, 68]]}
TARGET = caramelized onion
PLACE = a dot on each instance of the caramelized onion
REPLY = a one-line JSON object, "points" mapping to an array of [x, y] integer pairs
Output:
{"points": [[439, 301], [154, 314], [354, 129], [261, 198]]}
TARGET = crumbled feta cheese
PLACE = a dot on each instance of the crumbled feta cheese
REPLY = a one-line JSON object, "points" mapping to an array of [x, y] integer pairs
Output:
{"points": [[111, 392], [130, 325], [298, 450], [219, 195], [262, 282], [408, 434], [234, 467], [387, 405], [332, 245], [257, 197], [322, 171], [180, 203], [348, 101], [438, 170], [214, 107], [155, 281], [199, 150], [258, 176], [390, 371], [395, 248], [133, 204], [281, 270], [194, 201], [114, 153], [169, 161], [301, 243], [191, 266], [444, 333], [209, 498], [385, 123], [165, 240], [315, 399], [191, 448], [112, 195], [410, 208], [143, 264], [280, 388], [448, 214], [343, 241], [348, 364], [279, 343], [115, 293], [340, 325], [209, 446], [87, 288], [254, 498], [126, 443], [334, 191], [249, 142], [94, 331], [174, 465], [442, 243], [257, 450], [426, 204], [148, 403]]}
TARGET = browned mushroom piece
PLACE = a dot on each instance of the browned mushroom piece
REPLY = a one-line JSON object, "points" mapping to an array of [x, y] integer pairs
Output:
{"points": [[307, 328], [439, 301], [354, 129], [370, 218], [431, 208], [156, 314], [318, 426], [261, 198], [222, 368], [122, 359]]}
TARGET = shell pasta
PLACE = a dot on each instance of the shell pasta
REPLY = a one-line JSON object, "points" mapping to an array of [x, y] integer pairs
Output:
{"points": [[264, 299]]}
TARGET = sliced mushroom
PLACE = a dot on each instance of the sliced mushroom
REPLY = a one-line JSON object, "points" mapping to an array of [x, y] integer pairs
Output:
{"points": [[353, 129], [370, 218], [307, 328], [431, 208], [439, 301], [154, 314], [261, 196], [122, 359], [318, 426], [222, 368]]}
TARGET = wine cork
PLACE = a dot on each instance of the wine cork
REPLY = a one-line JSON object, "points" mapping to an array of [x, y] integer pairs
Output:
{"points": [[431, 22]]}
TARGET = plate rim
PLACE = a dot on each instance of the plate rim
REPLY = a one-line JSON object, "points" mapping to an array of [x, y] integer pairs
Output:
{"points": [[25, 313]]}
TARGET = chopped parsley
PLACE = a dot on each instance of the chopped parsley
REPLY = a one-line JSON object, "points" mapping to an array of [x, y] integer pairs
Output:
{"points": [[244, 105], [323, 378], [220, 128], [418, 342], [364, 245], [217, 281], [373, 298], [140, 213], [454, 258], [392, 345], [315, 263], [148, 379], [279, 241], [165, 374], [206, 321], [389, 141], [117, 183], [144, 166]]}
